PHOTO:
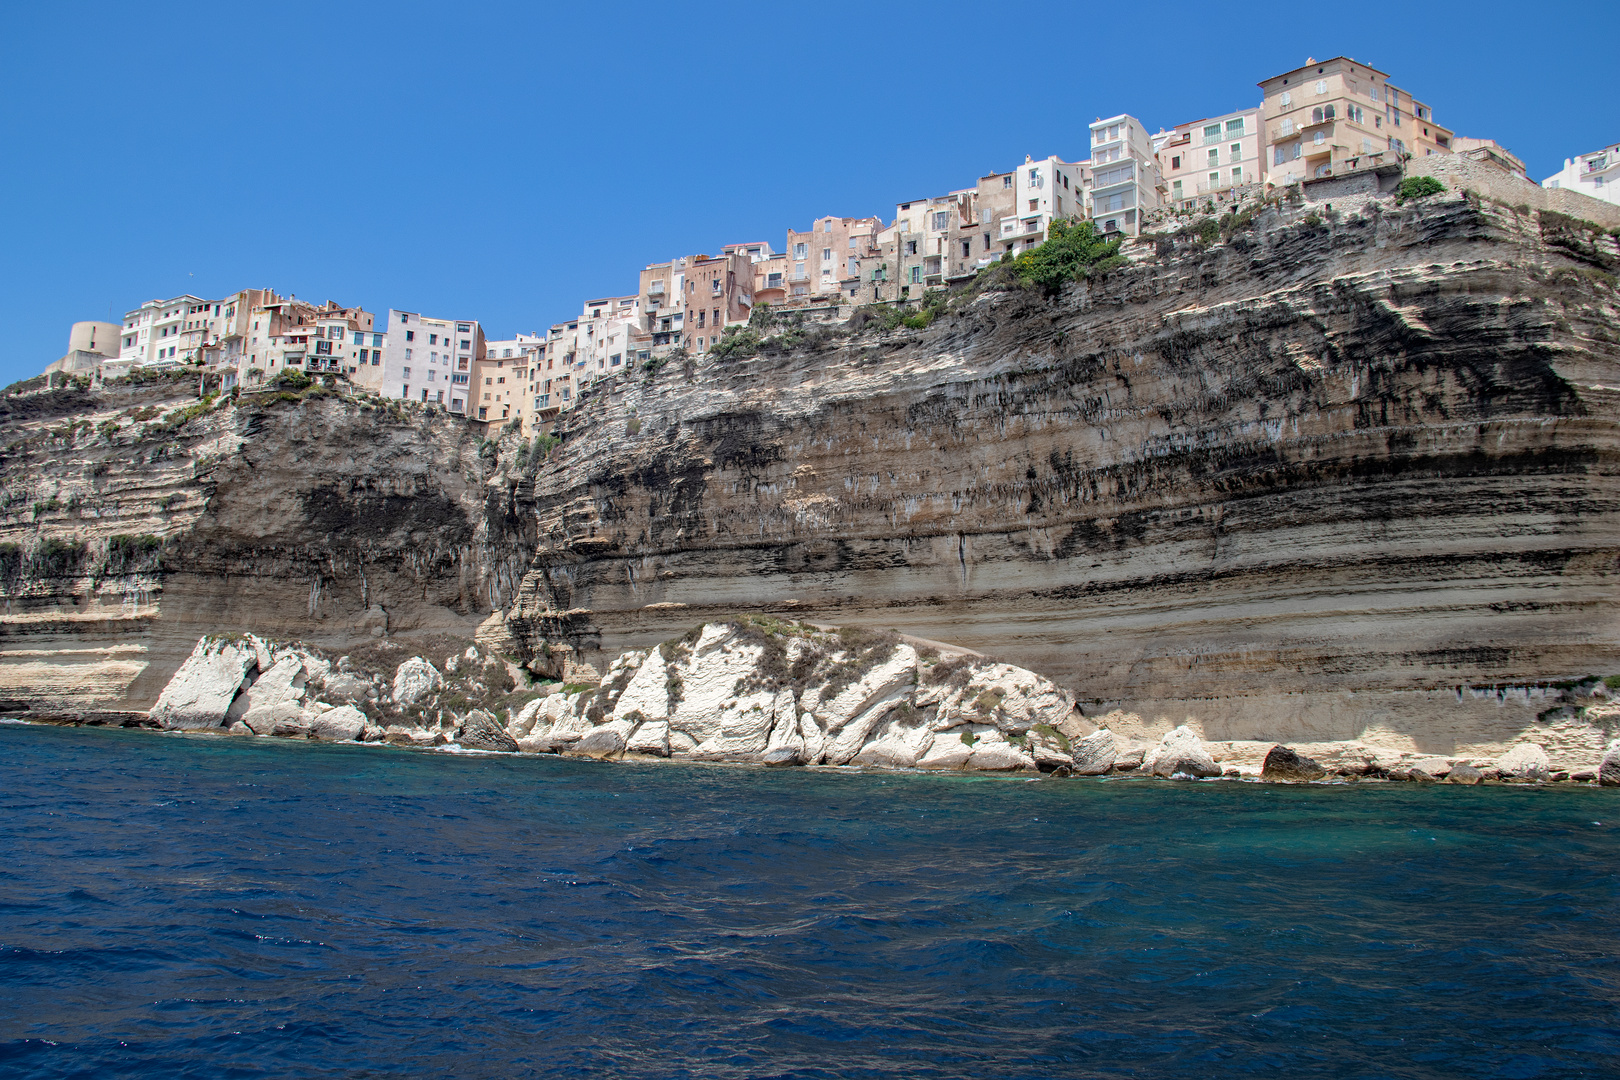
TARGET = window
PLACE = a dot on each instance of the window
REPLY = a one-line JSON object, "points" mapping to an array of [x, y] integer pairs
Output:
{"points": [[800, 250], [466, 344], [1287, 99], [854, 267], [987, 241], [826, 256], [1175, 162], [1236, 153], [1234, 128], [1316, 115], [463, 328], [410, 335], [1321, 86], [1214, 157], [1319, 138], [1214, 179], [826, 226], [1328, 112], [911, 247], [967, 248], [1006, 181], [1212, 133], [852, 243], [1175, 189], [1237, 175], [613, 361], [407, 373], [403, 318], [407, 354], [359, 338], [916, 275], [942, 220]]}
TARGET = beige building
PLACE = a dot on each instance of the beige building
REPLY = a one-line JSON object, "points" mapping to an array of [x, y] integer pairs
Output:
{"points": [[1489, 151], [827, 259], [90, 344], [1204, 159], [295, 334], [1338, 114]]}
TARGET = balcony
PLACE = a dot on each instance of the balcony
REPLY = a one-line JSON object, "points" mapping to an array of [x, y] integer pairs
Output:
{"points": [[656, 288], [799, 275]]}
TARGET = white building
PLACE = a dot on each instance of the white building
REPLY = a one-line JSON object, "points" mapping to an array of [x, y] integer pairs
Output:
{"points": [[1596, 174], [426, 359], [151, 333], [1125, 178], [1047, 190]]}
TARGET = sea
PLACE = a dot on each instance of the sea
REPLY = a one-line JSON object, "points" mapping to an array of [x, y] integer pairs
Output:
{"points": [[195, 906]]}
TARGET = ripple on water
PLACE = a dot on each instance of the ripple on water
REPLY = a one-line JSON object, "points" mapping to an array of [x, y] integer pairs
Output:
{"points": [[211, 907]]}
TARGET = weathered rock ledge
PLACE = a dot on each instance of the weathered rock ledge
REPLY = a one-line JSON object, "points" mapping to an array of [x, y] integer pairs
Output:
{"points": [[759, 691]]}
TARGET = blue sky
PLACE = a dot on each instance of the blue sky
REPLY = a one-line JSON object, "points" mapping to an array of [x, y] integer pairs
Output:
{"points": [[506, 161]]}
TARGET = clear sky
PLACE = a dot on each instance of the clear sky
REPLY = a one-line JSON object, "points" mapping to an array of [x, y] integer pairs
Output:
{"points": [[505, 161]]}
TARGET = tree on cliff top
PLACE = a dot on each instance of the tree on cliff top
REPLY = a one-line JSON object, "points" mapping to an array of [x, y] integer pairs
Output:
{"points": [[1071, 250]]}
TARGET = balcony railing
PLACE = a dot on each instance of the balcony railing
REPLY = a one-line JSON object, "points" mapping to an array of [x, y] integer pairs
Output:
{"points": [[1225, 183], [656, 288]]}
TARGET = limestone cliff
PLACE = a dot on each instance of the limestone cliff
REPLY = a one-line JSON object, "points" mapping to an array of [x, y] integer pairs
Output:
{"points": [[1342, 472]]}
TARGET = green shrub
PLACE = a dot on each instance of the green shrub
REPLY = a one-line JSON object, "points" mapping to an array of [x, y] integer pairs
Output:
{"points": [[10, 560], [1069, 253], [632, 426], [125, 550], [736, 343], [294, 380], [1611, 681], [55, 557], [1418, 187]]}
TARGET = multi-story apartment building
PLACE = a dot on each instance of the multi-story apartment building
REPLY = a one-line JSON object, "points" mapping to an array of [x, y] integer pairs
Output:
{"points": [[1596, 174], [293, 333], [718, 292], [995, 199], [425, 359], [1125, 178], [151, 333], [1047, 190], [1203, 158], [1338, 114], [218, 335], [828, 258], [504, 381]]}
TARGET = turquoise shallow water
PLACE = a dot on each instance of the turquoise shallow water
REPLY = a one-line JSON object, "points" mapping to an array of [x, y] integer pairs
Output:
{"points": [[179, 906]]}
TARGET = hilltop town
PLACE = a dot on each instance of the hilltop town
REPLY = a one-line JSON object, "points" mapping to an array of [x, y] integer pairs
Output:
{"points": [[1322, 122]]}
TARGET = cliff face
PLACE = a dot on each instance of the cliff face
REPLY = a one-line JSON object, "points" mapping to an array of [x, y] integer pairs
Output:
{"points": [[1343, 475]]}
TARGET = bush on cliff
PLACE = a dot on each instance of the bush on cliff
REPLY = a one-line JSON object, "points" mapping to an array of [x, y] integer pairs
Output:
{"points": [[1417, 187], [1070, 254]]}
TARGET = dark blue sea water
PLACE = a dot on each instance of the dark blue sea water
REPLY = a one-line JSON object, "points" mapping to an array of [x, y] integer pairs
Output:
{"points": [[184, 906]]}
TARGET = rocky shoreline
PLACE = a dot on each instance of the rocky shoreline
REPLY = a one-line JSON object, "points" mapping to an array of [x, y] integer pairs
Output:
{"points": [[767, 692]]}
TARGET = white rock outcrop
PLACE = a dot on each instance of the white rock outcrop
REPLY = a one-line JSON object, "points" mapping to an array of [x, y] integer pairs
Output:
{"points": [[342, 724], [1526, 761], [200, 694], [1182, 752], [414, 680]]}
